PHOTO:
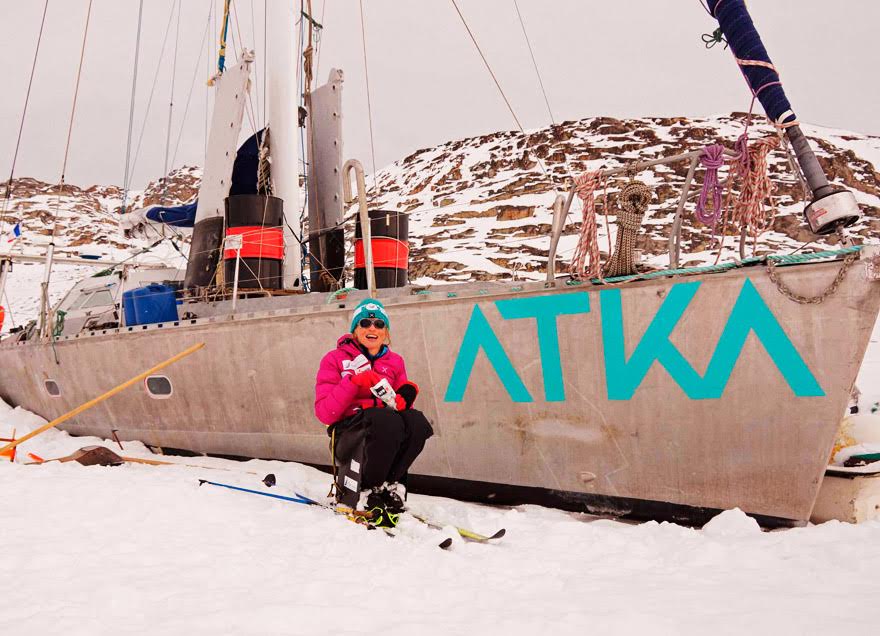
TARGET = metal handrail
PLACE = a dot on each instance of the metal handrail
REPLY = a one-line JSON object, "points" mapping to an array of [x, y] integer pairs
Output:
{"points": [[675, 234], [560, 211], [366, 234]]}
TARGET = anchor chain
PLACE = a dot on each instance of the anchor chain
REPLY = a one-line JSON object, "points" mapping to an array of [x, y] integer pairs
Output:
{"points": [[811, 300]]}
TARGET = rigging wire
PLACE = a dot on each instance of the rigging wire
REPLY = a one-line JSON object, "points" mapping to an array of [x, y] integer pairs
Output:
{"points": [[259, 66], [367, 79], [212, 16], [239, 49], [318, 41], [171, 100], [192, 86], [137, 49], [305, 254], [488, 67], [137, 150], [82, 56], [265, 52], [527, 139], [534, 62], [44, 297], [21, 125]]}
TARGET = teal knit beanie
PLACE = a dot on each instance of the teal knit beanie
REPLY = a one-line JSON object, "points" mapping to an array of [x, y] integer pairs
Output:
{"points": [[369, 308]]}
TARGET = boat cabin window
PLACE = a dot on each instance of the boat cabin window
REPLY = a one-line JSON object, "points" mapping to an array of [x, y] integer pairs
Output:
{"points": [[52, 388], [100, 298], [97, 298], [158, 386]]}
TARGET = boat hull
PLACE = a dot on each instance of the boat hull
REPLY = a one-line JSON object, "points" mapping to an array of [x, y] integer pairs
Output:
{"points": [[701, 392]]}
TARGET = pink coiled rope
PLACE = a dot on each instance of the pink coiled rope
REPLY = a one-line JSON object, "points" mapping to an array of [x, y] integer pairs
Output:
{"points": [[711, 159]]}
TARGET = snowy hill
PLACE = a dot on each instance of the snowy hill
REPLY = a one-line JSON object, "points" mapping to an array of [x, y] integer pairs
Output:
{"points": [[480, 208]]}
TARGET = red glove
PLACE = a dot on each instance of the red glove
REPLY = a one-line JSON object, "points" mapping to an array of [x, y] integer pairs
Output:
{"points": [[400, 403], [366, 379], [407, 392]]}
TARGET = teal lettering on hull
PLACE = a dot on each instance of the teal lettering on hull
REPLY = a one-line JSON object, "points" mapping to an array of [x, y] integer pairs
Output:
{"points": [[750, 314], [545, 309], [479, 335]]}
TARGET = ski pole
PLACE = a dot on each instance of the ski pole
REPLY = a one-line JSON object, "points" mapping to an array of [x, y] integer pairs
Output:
{"points": [[299, 500]]}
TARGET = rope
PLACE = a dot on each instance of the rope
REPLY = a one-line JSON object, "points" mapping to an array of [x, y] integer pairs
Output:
{"points": [[21, 124], [634, 199], [586, 260], [534, 63], [711, 159], [749, 210]]}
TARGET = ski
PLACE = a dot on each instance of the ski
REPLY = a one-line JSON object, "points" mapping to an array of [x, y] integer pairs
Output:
{"points": [[443, 545], [464, 533], [361, 518]]}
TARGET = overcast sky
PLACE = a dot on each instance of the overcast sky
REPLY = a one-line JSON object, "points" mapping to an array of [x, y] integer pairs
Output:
{"points": [[427, 82]]}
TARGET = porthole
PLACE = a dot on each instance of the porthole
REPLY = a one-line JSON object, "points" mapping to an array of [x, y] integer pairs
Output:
{"points": [[52, 388], [158, 387]]}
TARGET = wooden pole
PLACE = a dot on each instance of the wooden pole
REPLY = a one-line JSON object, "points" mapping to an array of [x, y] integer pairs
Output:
{"points": [[108, 394]]}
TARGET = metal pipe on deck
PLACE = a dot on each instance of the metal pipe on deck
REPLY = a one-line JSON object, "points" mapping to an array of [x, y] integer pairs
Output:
{"points": [[366, 235]]}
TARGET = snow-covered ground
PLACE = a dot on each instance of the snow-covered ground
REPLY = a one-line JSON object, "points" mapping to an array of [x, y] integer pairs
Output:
{"points": [[144, 549]]}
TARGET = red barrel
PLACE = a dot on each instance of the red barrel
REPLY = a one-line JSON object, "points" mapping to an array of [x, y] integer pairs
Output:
{"points": [[389, 234], [258, 219]]}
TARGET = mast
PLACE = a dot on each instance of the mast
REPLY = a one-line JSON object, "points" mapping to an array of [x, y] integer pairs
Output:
{"points": [[282, 121]]}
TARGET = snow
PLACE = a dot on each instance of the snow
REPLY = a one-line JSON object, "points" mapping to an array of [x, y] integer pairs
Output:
{"points": [[138, 548]]}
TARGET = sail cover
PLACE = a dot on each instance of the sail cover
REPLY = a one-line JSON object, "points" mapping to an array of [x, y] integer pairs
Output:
{"points": [[752, 57], [244, 181]]}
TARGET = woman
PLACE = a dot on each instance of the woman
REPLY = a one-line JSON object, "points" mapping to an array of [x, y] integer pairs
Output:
{"points": [[362, 394]]}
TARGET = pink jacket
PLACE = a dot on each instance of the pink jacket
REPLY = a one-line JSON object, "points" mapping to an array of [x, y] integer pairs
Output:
{"points": [[336, 396]]}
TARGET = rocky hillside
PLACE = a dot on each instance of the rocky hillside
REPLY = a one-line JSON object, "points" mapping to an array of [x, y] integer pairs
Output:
{"points": [[480, 208]]}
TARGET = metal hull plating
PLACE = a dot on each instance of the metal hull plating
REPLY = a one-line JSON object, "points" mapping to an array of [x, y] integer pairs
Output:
{"points": [[677, 390]]}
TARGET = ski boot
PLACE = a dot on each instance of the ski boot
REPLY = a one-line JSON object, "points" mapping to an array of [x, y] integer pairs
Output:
{"points": [[394, 495], [374, 502]]}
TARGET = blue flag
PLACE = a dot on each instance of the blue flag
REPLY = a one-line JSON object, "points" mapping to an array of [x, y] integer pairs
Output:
{"points": [[16, 232]]}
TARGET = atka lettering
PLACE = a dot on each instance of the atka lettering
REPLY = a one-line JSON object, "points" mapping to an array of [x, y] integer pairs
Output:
{"points": [[750, 314]]}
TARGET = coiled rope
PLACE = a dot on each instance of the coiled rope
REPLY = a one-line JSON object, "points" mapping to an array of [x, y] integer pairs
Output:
{"points": [[749, 210], [586, 261], [634, 198], [711, 159]]}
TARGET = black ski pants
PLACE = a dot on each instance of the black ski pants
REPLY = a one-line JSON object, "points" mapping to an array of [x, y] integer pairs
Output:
{"points": [[377, 445]]}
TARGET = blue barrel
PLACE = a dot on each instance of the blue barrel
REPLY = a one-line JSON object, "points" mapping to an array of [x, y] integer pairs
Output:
{"points": [[128, 308], [153, 303]]}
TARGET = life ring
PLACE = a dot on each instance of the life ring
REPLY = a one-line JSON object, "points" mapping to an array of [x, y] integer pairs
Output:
{"points": [[2, 316]]}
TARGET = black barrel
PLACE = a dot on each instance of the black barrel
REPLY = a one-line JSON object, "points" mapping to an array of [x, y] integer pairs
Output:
{"points": [[390, 234], [258, 219]]}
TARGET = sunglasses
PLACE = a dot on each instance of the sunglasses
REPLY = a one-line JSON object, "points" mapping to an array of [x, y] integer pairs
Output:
{"points": [[366, 323]]}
